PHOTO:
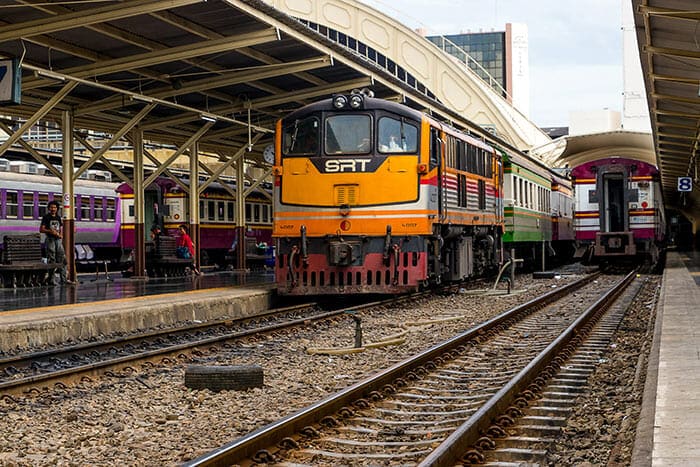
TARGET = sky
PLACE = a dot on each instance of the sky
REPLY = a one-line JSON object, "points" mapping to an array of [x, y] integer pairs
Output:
{"points": [[575, 46]]}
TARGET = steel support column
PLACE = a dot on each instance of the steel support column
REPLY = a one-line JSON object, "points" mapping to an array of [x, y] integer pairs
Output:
{"points": [[240, 215], [68, 195], [194, 201], [139, 211]]}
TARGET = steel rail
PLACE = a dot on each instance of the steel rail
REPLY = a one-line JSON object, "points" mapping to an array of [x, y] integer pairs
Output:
{"points": [[18, 385], [450, 450], [249, 445]]}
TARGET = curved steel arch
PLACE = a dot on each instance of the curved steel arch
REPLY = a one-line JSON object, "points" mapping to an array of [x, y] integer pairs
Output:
{"points": [[453, 84]]}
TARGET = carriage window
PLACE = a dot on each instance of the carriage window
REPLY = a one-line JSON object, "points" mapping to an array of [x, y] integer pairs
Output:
{"points": [[99, 209], [521, 193], [300, 138], [43, 202], [11, 203], [397, 135], [229, 211], [57, 197], [266, 214], [28, 205], [348, 134], [85, 208], [248, 213], [111, 209], [202, 212], [220, 212], [256, 213], [211, 210]]}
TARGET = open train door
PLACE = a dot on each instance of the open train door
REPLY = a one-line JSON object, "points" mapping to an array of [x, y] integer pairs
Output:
{"points": [[614, 214]]}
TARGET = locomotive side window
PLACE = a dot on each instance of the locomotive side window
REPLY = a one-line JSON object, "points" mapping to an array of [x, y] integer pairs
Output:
{"points": [[301, 137], [348, 134], [396, 135], [434, 147]]}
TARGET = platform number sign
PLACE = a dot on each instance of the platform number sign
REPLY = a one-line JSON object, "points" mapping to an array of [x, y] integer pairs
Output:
{"points": [[685, 184], [10, 81]]}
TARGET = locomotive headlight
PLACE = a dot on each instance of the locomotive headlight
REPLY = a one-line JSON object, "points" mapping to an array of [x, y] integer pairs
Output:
{"points": [[339, 102], [355, 101], [644, 204]]}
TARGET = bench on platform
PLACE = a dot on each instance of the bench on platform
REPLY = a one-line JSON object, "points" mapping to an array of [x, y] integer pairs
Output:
{"points": [[162, 260], [22, 264]]}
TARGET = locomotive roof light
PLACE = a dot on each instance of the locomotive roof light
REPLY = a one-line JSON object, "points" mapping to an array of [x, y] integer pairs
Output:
{"points": [[340, 101], [356, 101]]}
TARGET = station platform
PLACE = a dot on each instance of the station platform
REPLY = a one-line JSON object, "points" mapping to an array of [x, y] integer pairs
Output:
{"points": [[669, 426], [43, 316]]}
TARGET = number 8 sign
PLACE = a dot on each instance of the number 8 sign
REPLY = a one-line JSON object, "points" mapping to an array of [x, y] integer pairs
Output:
{"points": [[685, 184]]}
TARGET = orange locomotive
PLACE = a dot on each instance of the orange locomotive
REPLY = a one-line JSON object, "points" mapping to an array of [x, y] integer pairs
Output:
{"points": [[371, 196]]}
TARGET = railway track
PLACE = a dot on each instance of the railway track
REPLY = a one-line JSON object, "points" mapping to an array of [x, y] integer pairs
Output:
{"points": [[62, 366], [25, 372], [428, 408]]}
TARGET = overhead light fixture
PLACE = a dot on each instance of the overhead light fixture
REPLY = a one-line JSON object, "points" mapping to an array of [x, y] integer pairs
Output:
{"points": [[141, 98], [208, 118], [50, 75]]}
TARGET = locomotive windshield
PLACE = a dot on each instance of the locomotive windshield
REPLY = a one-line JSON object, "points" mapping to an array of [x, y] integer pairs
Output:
{"points": [[397, 136], [301, 137], [348, 134]]}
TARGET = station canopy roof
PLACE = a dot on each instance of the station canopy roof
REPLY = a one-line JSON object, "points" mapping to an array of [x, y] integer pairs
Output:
{"points": [[668, 36], [171, 66]]}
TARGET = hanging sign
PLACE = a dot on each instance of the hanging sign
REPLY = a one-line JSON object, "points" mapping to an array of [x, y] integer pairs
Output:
{"points": [[10, 81], [685, 184]]}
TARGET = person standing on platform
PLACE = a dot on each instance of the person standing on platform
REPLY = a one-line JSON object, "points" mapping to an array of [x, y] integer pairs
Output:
{"points": [[185, 247], [52, 227]]}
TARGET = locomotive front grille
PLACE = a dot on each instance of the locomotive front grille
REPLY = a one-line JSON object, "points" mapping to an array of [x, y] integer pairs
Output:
{"points": [[346, 194]]}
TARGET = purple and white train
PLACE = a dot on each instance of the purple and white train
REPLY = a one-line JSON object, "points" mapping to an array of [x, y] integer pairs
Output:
{"points": [[619, 210], [104, 213]]}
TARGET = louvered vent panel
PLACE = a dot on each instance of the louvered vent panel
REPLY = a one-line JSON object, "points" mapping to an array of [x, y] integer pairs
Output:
{"points": [[346, 194]]}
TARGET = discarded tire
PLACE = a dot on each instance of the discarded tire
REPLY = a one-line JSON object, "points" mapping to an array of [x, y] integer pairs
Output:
{"points": [[218, 378]]}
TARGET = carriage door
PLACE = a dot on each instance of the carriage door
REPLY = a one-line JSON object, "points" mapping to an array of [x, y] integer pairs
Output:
{"points": [[151, 211], [615, 207], [436, 160]]}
